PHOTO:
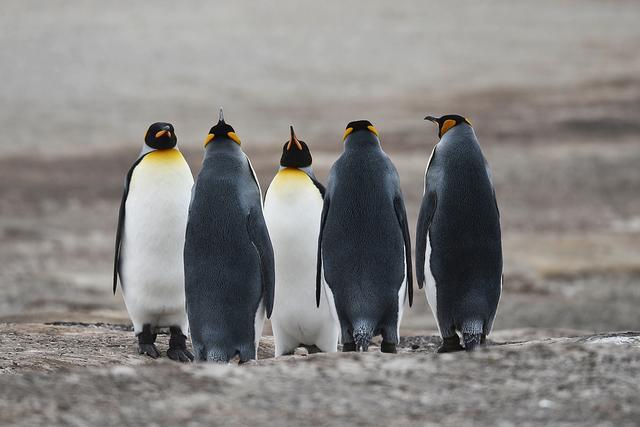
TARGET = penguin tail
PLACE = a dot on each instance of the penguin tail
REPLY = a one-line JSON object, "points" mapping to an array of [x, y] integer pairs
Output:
{"points": [[220, 356], [362, 334], [473, 334]]}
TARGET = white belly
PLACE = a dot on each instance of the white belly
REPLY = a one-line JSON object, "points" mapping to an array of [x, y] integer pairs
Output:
{"points": [[292, 211], [430, 283], [402, 294], [152, 268]]}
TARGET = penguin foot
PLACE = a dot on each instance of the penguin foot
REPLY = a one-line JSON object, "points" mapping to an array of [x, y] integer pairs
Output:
{"points": [[312, 349], [178, 346], [388, 347], [146, 342], [148, 349], [180, 355], [348, 346], [450, 344]]}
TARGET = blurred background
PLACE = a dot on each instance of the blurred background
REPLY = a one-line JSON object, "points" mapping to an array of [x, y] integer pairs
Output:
{"points": [[552, 87]]}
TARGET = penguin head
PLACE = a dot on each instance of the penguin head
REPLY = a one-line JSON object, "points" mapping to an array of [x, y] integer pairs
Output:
{"points": [[360, 126], [221, 131], [295, 153], [447, 122], [161, 136]]}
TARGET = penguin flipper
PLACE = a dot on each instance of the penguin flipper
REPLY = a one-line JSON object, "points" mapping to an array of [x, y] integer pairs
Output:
{"points": [[323, 219], [428, 208], [493, 188], [401, 214], [255, 179], [259, 236], [120, 227], [319, 185]]}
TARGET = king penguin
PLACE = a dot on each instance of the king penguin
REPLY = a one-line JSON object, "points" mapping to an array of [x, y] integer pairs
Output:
{"points": [[228, 258], [364, 252], [150, 242], [458, 243], [293, 205]]}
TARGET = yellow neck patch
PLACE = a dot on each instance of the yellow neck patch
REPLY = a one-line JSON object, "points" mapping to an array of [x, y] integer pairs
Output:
{"points": [[289, 180], [163, 156], [347, 133]]}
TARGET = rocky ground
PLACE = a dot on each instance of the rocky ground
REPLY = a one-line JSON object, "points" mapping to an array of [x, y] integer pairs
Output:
{"points": [[89, 374]]}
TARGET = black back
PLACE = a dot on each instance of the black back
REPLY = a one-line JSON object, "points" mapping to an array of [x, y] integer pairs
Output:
{"points": [[364, 237], [228, 255], [459, 212]]}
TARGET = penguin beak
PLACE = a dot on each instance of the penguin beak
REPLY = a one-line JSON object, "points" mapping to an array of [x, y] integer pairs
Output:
{"points": [[165, 130], [293, 140], [432, 119]]}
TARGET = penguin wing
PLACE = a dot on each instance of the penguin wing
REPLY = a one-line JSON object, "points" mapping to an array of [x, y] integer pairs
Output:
{"points": [[259, 236], [427, 209], [401, 214], [255, 178], [318, 184], [120, 228], [493, 188], [323, 219]]}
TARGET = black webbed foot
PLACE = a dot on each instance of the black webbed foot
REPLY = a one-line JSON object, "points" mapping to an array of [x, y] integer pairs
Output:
{"points": [[148, 349], [178, 346], [312, 349], [348, 346], [388, 347], [180, 355], [146, 341], [450, 344]]}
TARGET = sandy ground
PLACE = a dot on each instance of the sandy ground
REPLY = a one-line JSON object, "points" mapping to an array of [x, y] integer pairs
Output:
{"points": [[551, 87], [521, 379]]}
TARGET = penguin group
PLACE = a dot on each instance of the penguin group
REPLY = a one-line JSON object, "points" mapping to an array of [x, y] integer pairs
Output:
{"points": [[330, 266]]}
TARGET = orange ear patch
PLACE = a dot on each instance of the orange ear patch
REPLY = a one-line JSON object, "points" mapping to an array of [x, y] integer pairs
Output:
{"points": [[234, 137], [208, 139], [373, 130], [448, 124], [346, 133]]}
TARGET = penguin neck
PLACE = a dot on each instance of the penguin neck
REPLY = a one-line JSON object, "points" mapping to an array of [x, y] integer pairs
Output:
{"points": [[307, 169], [146, 150], [458, 135], [223, 145], [362, 141]]}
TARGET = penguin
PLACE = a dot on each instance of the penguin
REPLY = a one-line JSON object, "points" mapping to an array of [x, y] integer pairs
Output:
{"points": [[458, 242], [293, 205], [364, 250], [228, 257], [150, 241]]}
